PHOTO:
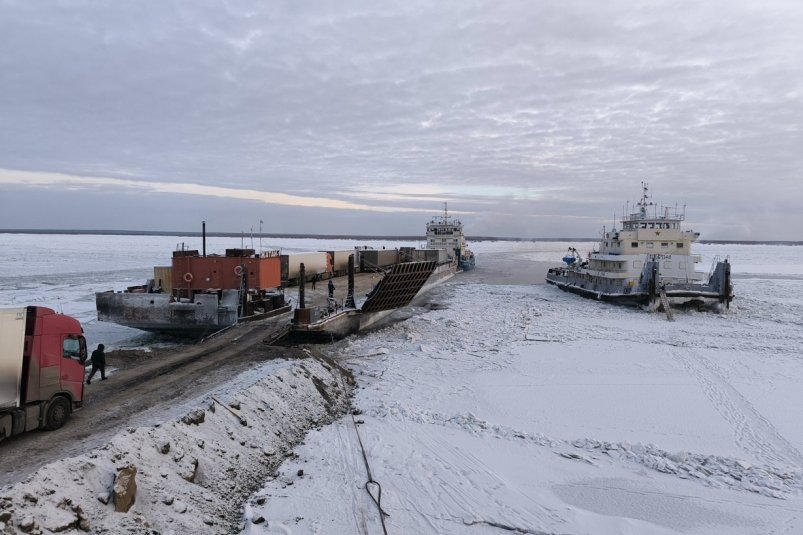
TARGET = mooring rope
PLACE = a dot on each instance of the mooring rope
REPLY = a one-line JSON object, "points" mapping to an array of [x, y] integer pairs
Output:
{"points": [[370, 483]]}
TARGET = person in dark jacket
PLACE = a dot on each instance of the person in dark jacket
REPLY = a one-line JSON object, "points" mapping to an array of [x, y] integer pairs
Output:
{"points": [[98, 364], [331, 289]]}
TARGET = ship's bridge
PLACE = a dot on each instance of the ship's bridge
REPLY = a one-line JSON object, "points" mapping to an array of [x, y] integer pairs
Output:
{"points": [[635, 224], [652, 238]]}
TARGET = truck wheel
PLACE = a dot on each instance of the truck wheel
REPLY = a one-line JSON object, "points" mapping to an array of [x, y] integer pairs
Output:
{"points": [[57, 413]]}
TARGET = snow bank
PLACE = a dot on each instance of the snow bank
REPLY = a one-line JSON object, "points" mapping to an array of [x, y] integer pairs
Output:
{"points": [[192, 475]]}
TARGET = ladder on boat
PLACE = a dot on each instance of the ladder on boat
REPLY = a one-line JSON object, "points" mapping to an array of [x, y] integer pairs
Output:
{"points": [[665, 304]]}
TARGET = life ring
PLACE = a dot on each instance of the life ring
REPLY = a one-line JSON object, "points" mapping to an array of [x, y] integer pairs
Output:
{"points": [[238, 270], [188, 277]]}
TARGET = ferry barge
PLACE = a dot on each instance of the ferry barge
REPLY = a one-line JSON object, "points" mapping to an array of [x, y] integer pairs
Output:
{"points": [[407, 273]]}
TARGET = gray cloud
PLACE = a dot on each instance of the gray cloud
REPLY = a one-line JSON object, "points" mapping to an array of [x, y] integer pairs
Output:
{"points": [[562, 107]]}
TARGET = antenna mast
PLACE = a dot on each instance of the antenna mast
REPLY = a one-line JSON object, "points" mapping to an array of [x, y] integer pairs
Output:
{"points": [[643, 204]]}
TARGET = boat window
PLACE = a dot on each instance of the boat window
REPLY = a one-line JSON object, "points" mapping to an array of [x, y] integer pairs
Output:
{"points": [[634, 244], [680, 245], [664, 244], [644, 225], [650, 245]]}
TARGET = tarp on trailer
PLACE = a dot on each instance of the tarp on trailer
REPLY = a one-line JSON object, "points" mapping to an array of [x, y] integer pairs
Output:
{"points": [[12, 345]]}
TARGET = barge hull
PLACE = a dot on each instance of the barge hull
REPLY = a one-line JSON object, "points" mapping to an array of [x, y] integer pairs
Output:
{"points": [[159, 312], [398, 288]]}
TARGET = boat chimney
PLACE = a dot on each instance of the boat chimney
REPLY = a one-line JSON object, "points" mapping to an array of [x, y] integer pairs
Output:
{"points": [[203, 236]]}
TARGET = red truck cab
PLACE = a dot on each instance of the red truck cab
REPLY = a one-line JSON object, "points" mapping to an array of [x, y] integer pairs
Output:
{"points": [[42, 356]]}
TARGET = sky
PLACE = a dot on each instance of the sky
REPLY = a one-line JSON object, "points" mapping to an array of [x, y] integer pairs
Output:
{"points": [[530, 119]]}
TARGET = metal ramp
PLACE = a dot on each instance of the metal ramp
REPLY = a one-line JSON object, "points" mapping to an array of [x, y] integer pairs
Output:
{"points": [[399, 286], [665, 304]]}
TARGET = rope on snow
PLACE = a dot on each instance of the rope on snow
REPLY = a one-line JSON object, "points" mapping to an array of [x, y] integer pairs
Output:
{"points": [[371, 483]]}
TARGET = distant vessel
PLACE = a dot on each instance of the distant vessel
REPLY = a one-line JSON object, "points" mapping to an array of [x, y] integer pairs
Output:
{"points": [[648, 263], [447, 233]]}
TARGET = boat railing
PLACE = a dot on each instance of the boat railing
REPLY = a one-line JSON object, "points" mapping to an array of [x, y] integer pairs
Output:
{"points": [[714, 264]]}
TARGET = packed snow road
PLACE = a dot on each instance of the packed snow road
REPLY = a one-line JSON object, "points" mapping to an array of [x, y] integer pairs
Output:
{"points": [[145, 388]]}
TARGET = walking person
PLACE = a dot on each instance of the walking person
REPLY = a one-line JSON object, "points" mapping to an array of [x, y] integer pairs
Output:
{"points": [[331, 289], [98, 359], [314, 280]]}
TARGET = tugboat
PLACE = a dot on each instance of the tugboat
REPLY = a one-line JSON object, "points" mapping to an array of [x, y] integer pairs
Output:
{"points": [[446, 233], [648, 263]]}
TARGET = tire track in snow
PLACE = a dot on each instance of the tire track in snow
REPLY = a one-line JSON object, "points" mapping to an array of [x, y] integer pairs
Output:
{"points": [[752, 431], [791, 526], [453, 471]]}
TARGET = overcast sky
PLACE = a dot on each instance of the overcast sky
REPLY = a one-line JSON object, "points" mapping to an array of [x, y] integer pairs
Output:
{"points": [[531, 118]]}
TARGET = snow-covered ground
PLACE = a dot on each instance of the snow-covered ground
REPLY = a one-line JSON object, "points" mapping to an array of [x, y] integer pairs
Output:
{"points": [[520, 407], [517, 408]]}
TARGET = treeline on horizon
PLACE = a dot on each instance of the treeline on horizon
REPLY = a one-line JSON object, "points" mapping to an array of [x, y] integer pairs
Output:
{"points": [[196, 234]]}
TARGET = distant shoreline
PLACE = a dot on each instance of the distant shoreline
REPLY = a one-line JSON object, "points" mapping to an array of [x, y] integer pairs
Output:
{"points": [[340, 236]]}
